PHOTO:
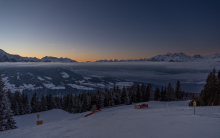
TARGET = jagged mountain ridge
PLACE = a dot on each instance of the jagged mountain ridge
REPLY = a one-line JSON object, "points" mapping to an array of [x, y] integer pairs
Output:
{"points": [[176, 57], [5, 57]]}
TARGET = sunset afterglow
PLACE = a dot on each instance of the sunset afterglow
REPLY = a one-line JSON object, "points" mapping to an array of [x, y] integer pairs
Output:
{"points": [[108, 29]]}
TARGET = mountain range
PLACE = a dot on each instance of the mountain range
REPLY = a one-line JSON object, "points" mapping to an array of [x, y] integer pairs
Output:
{"points": [[176, 57], [5, 57]]}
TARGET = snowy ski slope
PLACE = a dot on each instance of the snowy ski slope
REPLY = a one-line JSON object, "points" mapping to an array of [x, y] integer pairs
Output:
{"points": [[159, 120]]}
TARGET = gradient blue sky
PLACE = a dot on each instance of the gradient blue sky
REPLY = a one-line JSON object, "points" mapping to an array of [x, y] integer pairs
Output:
{"points": [[89, 30]]}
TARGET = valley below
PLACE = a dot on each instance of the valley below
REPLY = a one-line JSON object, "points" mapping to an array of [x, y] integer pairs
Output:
{"points": [[62, 78]]}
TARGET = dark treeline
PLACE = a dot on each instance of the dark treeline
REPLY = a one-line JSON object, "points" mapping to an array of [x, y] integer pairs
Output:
{"points": [[73, 103], [210, 95]]}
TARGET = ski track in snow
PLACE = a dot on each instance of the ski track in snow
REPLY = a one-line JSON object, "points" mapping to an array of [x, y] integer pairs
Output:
{"points": [[159, 120]]}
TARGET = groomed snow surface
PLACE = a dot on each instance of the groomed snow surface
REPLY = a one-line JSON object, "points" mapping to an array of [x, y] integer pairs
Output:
{"points": [[159, 120]]}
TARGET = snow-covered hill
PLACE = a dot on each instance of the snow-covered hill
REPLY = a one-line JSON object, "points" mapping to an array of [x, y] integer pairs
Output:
{"points": [[5, 57], [176, 57], [53, 79], [159, 120]]}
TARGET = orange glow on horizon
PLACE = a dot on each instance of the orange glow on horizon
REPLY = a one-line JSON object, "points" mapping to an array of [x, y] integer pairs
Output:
{"points": [[84, 56]]}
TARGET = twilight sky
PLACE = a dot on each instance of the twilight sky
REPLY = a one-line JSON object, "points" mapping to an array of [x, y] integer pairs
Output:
{"points": [[89, 30]]}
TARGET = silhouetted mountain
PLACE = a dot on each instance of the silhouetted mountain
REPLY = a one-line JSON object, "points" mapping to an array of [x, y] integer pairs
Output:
{"points": [[5, 57], [176, 57]]}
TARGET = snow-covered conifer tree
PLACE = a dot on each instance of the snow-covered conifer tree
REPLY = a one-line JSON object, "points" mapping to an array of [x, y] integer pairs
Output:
{"points": [[143, 93], [22, 102], [26, 104], [79, 105], [29, 109], [88, 100], [127, 102], [21, 109], [84, 102], [112, 102], [178, 91], [123, 95], [16, 103], [34, 103], [139, 97], [157, 94], [170, 92], [6, 116], [100, 99], [43, 103], [148, 91], [70, 104], [16, 108], [50, 102]]}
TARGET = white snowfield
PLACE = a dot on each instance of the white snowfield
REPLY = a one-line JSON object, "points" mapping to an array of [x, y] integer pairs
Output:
{"points": [[122, 84], [48, 78], [50, 85], [65, 75], [39, 78], [159, 120], [13, 88], [80, 87]]}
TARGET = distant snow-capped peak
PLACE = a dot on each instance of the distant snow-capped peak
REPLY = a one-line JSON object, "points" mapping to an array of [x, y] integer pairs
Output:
{"points": [[176, 57], [5, 57], [169, 57]]}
